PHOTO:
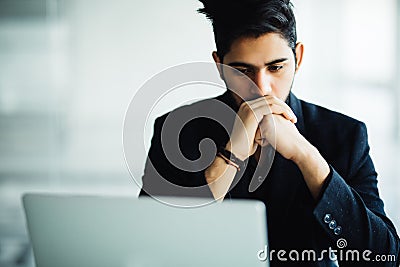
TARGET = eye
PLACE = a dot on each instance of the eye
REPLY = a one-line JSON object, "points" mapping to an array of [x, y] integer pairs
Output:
{"points": [[275, 68], [245, 71]]}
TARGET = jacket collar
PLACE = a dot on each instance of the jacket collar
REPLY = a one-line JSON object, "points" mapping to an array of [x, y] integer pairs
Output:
{"points": [[295, 105]]}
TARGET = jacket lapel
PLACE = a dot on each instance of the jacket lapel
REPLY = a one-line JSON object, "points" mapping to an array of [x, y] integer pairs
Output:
{"points": [[295, 105]]}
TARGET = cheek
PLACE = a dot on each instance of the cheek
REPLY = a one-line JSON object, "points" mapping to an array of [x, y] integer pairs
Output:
{"points": [[240, 85], [282, 85]]}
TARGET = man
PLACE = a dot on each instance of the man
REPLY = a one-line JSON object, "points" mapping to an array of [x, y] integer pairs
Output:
{"points": [[322, 185]]}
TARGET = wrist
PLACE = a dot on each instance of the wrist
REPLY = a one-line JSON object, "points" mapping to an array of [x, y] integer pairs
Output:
{"points": [[231, 148], [216, 170], [314, 168], [304, 152]]}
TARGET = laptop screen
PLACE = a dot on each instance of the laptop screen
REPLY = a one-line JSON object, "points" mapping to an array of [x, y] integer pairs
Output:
{"points": [[95, 231]]}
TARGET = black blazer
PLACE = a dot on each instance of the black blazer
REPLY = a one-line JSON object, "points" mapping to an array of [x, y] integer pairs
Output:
{"points": [[349, 206]]}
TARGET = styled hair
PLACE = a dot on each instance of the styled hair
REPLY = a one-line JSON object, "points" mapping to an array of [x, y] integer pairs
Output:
{"points": [[232, 19]]}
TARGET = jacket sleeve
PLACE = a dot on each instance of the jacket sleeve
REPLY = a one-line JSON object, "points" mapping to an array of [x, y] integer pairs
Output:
{"points": [[351, 211], [162, 178]]}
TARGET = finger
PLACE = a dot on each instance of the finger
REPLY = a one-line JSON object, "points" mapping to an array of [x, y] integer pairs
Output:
{"points": [[261, 142], [275, 106], [277, 101], [262, 110], [259, 139], [270, 100], [286, 113], [283, 103]]}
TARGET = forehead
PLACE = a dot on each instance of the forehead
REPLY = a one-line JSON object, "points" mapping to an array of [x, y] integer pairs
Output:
{"points": [[258, 50]]}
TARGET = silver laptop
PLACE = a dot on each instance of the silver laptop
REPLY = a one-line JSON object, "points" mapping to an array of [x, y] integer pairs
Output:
{"points": [[94, 231]]}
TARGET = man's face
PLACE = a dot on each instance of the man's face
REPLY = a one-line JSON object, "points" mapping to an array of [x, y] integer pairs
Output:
{"points": [[267, 61]]}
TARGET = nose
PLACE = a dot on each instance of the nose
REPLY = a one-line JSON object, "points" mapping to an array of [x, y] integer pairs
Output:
{"points": [[263, 83]]}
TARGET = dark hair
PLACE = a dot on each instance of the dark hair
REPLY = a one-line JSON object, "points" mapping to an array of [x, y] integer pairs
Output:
{"points": [[232, 19]]}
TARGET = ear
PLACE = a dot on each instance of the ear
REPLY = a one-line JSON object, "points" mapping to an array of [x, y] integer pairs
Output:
{"points": [[299, 55], [218, 63]]}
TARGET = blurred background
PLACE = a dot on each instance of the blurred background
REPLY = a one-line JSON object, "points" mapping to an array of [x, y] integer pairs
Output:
{"points": [[69, 68]]}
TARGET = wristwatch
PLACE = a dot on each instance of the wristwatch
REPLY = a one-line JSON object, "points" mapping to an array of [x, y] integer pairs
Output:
{"points": [[230, 158]]}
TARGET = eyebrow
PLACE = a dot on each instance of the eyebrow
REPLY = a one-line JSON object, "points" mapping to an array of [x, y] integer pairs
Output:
{"points": [[243, 64]]}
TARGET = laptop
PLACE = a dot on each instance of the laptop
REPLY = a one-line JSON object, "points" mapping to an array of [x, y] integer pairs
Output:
{"points": [[96, 231]]}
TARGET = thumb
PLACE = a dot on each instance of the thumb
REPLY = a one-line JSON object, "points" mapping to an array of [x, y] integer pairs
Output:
{"points": [[259, 140]]}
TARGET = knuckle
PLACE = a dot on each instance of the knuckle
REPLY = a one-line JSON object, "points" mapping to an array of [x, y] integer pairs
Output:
{"points": [[243, 105]]}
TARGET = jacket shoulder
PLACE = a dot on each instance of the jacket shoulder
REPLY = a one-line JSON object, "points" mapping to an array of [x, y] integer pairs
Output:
{"points": [[324, 118], [200, 112], [341, 140]]}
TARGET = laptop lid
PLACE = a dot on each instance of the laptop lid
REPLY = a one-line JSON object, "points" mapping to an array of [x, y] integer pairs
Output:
{"points": [[93, 231]]}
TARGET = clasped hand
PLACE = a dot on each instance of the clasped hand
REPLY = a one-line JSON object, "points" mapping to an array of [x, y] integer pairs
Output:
{"points": [[265, 120]]}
